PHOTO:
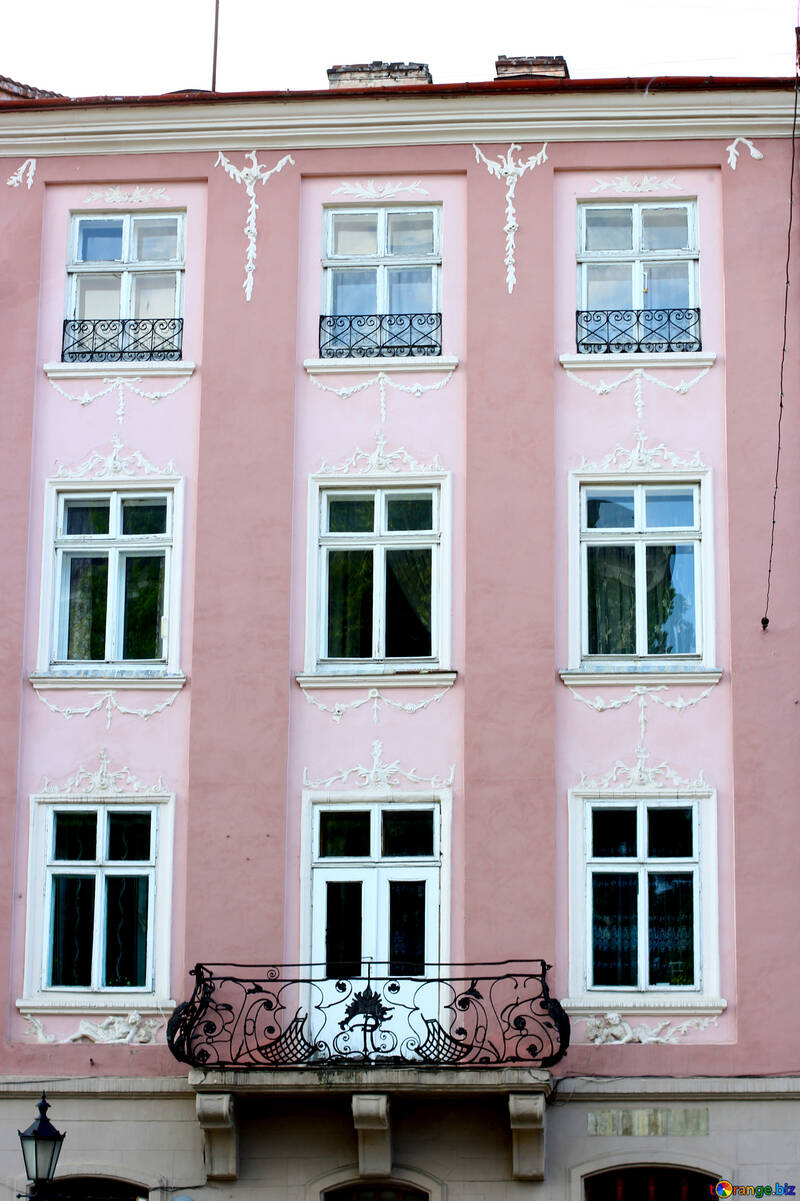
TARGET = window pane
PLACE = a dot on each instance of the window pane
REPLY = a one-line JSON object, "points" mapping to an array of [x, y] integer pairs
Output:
{"points": [[351, 515], [609, 286], [609, 510], [86, 517], [411, 290], [126, 932], [667, 285], [613, 832], [155, 241], [75, 836], [100, 242], [671, 620], [609, 229], [665, 229], [144, 606], [98, 297], [409, 513], [406, 927], [344, 834], [154, 295], [669, 833], [671, 930], [88, 591], [668, 510], [354, 292], [410, 233], [343, 929], [407, 832], [72, 931], [614, 929], [408, 602], [350, 604], [144, 516], [355, 233], [128, 836], [611, 600]]}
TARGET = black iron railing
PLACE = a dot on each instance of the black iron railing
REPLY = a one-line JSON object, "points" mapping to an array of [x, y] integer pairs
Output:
{"points": [[255, 1017], [631, 331], [122, 340], [380, 335]]}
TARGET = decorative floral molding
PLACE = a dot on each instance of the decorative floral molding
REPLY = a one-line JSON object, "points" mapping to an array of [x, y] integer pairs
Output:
{"points": [[379, 774], [15, 180], [116, 194], [511, 172], [638, 375], [647, 183], [370, 190], [250, 176], [362, 463], [102, 781], [114, 466], [118, 384], [383, 381], [376, 698], [109, 702], [733, 153], [132, 1029], [611, 1028], [640, 456]]}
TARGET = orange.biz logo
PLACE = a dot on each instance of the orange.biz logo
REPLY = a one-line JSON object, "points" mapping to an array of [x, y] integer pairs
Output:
{"points": [[724, 1188]]}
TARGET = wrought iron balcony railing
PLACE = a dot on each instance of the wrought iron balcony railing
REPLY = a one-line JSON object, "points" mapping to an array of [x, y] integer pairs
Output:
{"points": [[631, 331], [255, 1017], [380, 335], [122, 340]]}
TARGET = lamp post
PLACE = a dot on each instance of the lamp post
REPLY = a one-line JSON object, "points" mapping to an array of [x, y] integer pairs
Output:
{"points": [[41, 1147]]}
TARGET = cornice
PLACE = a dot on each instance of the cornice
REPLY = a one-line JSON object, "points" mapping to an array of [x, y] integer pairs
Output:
{"points": [[380, 121]]}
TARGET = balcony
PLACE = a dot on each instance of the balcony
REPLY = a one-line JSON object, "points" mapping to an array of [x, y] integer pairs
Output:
{"points": [[380, 336], [258, 1017], [638, 331], [122, 340]]}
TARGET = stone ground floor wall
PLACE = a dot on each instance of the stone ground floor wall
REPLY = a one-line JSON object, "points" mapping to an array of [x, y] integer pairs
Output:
{"points": [[293, 1148]]}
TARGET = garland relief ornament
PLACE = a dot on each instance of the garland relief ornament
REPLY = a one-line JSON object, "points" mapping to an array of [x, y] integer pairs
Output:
{"points": [[733, 153], [511, 171], [250, 176], [16, 178]]}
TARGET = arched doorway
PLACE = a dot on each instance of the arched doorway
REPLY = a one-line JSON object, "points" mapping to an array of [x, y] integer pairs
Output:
{"points": [[360, 1192], [93, 1188], [648, 1184]]}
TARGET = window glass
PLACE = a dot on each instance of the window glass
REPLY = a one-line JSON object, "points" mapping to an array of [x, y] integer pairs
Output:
{"points": [[354, 291], [409, 513], [410, 290], [407, 833], [609, 229], [147, 515], [100, 241], [408, 603], [410, 233], [611, 600], [126, 932], [355, 233], [129, 836], [75, 836], [155, 240], [669, 833], [87, 605], [669, 510], [671, 620], [351, 514], [609, 510], [343, 929], [350, 604], [144, 606], [614, 928], [609, 286], [344, 834], [671, 928], [666, 285], [72, 931], [86, 516], [613, 833], [665, 229], [98, 297], [154, 294], [406, 927]]}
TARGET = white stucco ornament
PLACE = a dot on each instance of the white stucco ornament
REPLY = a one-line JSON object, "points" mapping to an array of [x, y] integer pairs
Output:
{"points": [[114, 465], [371, 190], [378, 460], [511, 171], [118, 385], [249, 177], [107, 701], [29, 167], [624, 184], [103, 781], [733, 153], [640, 457], [383, 381], [377, 699], [379, 774], [637, 377], [604, 1029], [132, 1029], [117, 194]]}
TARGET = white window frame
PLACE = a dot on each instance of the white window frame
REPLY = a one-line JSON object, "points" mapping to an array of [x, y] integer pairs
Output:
{"points": [[316, 575], [382, 260], [38, 993], [703, 995], [126, 267], [703, 657], [55, 552]]}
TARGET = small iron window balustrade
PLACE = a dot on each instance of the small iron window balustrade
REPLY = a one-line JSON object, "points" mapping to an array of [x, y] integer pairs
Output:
{"points": [[638, 331], [122, 340], [255, 1017], [380, 335]]}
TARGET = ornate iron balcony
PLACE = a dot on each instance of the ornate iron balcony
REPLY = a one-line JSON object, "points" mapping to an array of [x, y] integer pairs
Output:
{"points": [[632, 331], [122, 340], [254, 1017], [380, 335]]}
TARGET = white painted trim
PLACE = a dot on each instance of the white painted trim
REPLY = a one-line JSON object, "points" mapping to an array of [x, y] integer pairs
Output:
{"points": [[626, 362], [43, 681], [312, 681], [105, 371], [98, 1002], [630, 676], [427, 363], [589, 1005]]}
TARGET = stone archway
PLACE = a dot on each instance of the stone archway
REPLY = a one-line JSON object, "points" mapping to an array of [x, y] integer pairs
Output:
{"points": [[648, 1184]]}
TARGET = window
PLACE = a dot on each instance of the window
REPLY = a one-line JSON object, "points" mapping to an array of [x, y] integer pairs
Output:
{"points": [[380, 594], [124, 288], [640, 570], [381, 285], [112, 578], [637, 278]]}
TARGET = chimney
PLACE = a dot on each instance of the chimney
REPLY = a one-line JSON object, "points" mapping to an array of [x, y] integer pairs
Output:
{"points": [[378, 75], [543, 66]]}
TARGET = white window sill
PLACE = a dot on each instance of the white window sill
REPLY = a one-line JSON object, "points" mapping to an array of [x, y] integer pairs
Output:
{"points": [[117, 370], [44, 681], [639, 673], [442, 362], [311, 681], [103, 1002], [596, 362], [653, 1003]]}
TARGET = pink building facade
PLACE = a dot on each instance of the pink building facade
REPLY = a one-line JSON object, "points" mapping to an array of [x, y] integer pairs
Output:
{"points": [[388, 478]]}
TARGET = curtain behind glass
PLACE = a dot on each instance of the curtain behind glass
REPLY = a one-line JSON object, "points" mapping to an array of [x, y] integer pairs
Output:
{"points": [[611, 587]]}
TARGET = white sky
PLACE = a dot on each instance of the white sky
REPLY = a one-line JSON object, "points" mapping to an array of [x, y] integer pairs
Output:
{"points": [[109, 47]]}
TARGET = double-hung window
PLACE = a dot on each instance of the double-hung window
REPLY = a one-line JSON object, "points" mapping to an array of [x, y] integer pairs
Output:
{"points": [[637, 278], [124, 288], [381, 283]]}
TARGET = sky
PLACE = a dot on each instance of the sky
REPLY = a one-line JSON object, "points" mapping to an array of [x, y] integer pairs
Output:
{"points": [[107, 47]]}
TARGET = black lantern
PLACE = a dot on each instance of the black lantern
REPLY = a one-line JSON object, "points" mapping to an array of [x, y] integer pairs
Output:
{"points": [[41, 1146]]}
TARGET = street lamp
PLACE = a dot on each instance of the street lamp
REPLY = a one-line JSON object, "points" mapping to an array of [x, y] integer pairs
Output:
{"points": [[41, 1147]]}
